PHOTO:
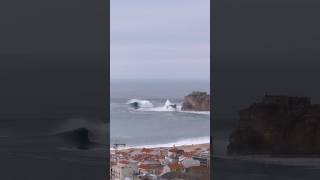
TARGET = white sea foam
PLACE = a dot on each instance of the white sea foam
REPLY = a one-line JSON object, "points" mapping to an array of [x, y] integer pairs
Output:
{"points": [[164, 109], [141, 103], [197, 112], [181, 142], [167, 107]]}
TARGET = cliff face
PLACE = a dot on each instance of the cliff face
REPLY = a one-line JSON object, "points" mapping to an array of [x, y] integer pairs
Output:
{"points": [[196, 101], [278, 125]]}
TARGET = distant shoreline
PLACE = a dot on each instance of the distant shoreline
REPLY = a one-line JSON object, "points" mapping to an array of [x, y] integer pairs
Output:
{"points": [[203, 146], [184, 142]]}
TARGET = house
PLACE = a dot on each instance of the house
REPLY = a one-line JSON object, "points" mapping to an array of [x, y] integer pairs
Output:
{"points": [[146, 150], [175, 167], [180, 166], [187, 163], [172, 167], [203, 157], [123, 169], [150, 167], [134, 152], [175, 152], [147, 177]]}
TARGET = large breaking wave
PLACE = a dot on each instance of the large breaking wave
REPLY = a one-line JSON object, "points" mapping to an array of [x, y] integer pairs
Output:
{"points": [[146, 105]]}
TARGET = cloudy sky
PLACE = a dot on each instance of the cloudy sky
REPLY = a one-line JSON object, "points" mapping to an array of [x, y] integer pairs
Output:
{"points": [[152, 39]]}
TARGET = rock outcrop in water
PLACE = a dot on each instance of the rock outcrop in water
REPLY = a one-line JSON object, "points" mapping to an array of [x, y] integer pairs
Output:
{"points": [[170, 106], [278, 125], [196, 101]]}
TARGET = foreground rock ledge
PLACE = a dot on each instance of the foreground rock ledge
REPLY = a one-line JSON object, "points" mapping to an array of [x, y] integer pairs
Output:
{"points": [[278, 125], [196, 101]]}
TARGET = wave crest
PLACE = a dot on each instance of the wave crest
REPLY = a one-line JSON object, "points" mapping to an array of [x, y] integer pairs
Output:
{"points": [[146, 105], [137, 103]]}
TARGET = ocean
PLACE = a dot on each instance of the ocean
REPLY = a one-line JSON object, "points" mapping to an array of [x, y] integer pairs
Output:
{"points": [[42, 106], [47, 149], [156, 126]]}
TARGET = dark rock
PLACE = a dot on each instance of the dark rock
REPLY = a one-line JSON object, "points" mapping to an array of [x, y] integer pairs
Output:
{"points": [[196, 101], [278, 125], [169, 105], [134, 105], [174, 106], [245, 136]]}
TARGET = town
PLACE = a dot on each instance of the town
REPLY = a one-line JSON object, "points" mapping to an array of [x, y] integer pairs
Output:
{"points": [[183, 162]]}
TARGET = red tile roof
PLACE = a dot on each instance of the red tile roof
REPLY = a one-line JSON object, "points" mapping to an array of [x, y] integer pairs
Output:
{"points": [[146, 150], [124, 162], [175, 166], [149, 166]]}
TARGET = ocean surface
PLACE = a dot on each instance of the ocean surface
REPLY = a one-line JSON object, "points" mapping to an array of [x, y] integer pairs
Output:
{"points": [[47, 149], [256, 167], [155, 125]]}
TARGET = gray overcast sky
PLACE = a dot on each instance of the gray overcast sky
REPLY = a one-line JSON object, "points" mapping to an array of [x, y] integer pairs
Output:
{"points": [[160, 39]]}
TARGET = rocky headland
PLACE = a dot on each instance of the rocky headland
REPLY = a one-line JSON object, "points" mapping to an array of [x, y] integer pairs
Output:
{"points": [[278, 125], [196, 101]]}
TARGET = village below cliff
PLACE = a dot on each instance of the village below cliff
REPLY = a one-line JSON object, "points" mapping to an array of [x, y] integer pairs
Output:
{"points": [[188, 162], [164, 163]]}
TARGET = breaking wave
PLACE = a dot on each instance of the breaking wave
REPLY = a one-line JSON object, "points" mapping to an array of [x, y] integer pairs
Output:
{"points": [[97, 130], [168, 106], [137, 103], [146, 105]]}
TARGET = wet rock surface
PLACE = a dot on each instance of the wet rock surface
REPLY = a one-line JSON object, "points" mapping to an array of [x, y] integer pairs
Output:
{"points": [[279, 125], [196, 101]]}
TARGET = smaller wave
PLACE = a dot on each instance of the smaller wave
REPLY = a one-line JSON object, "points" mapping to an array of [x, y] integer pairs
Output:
{"points": [[137, 103], [164, 109], [98, 130], [168, 107]]}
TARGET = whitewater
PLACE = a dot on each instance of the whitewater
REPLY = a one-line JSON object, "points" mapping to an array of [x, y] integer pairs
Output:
{"points": [[146, 105]]}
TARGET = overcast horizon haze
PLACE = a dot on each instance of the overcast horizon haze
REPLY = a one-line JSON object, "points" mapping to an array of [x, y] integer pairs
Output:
{"points": [[160, 40]]}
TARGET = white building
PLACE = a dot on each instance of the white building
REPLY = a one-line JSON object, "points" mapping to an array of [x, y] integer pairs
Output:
{"points": [[124, 170], [187, 163], [203, 157], [150, 167]]}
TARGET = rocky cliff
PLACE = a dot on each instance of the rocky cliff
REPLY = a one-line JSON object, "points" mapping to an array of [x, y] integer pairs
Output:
{"points": [[279, 125], [196, 101]]}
